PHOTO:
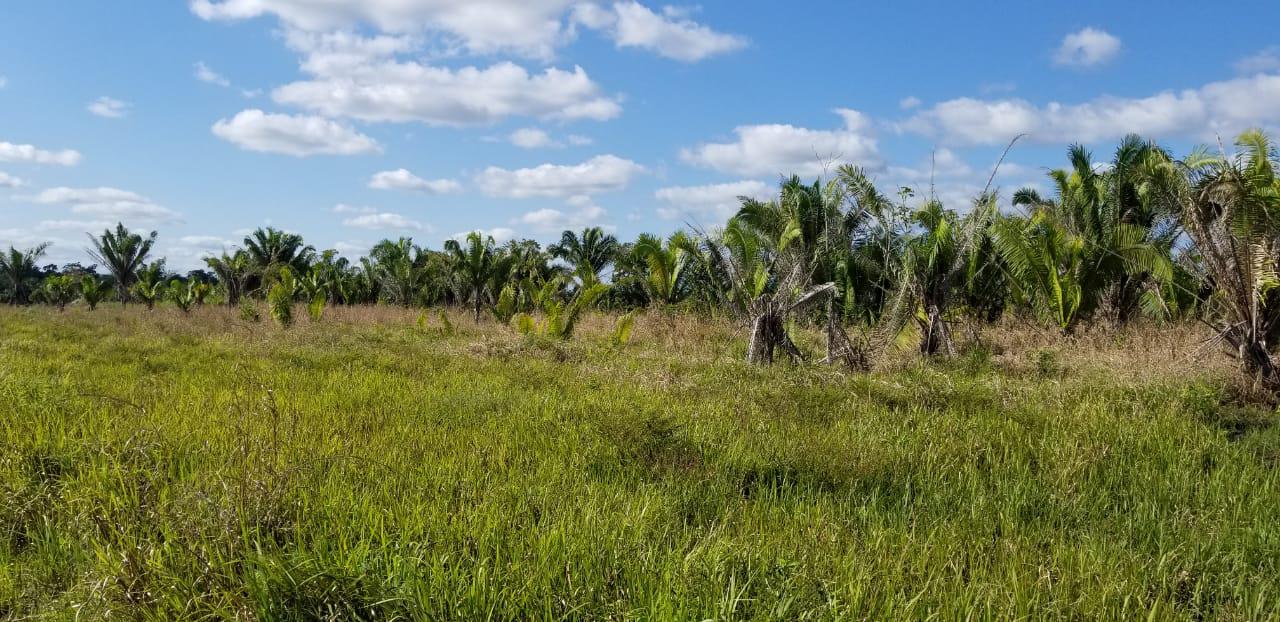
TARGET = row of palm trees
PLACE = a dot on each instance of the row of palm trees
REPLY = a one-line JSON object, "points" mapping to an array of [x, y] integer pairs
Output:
{"points": [[1142, 234]]}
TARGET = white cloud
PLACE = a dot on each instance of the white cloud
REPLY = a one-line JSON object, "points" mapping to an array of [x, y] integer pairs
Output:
{"points": [[295, 135], [943, 163], [606, 173], [1224, 108], [3, 82], [402, 179], [343, 208], [529, 28], [532, 138], [1263, 61], [786, 149], [532, 28], [382, 221], [9, 181], [108, 108], [577, 140], [107, 203], [73, 226], [372, 85], [672, 35], [715, 201], [206, 241], [907, 103], [1086, 48], [29, 154], [585, 213], [499, 234], [204, 74]]}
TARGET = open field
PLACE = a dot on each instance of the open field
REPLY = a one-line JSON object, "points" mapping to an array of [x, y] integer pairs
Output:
{"points": [[161, 466]]}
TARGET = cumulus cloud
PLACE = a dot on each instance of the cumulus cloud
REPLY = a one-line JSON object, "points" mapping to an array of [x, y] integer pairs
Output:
{"points": [[714, 201], [109, 108], [672, 34], [909, 102], [786, 149], [204, 74], [30, 154], [1225, 108], [1086, 48], [402, 179], [343, 208], [535, 138], [73, 226], [529, 28], [295, 135], [1263, 61], [532, 138], [9, 181], [499, 234], [548, 220], [384, 221], [107, 203], [941, 164], [386, 89], [606, 173], [532, 28]]}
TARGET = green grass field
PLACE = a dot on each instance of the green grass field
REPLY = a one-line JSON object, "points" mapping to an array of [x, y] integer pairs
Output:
{"points": [[155, 466]]}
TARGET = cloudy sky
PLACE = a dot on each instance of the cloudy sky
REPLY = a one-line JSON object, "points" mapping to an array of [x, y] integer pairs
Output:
{"points": [[350, 121]]}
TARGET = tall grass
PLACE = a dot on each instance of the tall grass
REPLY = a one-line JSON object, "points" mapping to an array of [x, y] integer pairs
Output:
{"points": [[155, 466]]}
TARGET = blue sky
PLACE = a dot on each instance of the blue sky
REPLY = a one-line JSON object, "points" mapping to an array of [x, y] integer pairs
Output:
{"points": [[350, 121]]}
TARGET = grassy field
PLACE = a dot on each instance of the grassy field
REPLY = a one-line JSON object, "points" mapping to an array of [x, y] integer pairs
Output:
{"points": [[155, 466]]}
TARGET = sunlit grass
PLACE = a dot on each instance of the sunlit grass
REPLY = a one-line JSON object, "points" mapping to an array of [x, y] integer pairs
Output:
{"points": [[166, 467]]}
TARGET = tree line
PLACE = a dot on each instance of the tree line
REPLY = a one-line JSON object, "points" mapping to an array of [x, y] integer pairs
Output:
{"points": [[1144, 234]]}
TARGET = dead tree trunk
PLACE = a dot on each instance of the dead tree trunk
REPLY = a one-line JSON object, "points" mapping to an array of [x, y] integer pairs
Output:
{"points": [[935, 336]]}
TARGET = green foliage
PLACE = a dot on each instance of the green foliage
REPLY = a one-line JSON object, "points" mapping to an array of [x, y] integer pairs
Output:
{"points": [[280, 298], [506, 307], [446, 326], [124, 253], [249, 311], [18, 273], [559, 317], [93, 290], [621, 335], [315, 308], [58, 291], [182, 295]]}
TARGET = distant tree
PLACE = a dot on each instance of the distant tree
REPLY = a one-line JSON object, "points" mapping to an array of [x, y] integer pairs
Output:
{"points": [[473, 266], [271, 249], [122, 253], [233, 272], [18, 271], [93, 290], [588, 254], [58, 291]]}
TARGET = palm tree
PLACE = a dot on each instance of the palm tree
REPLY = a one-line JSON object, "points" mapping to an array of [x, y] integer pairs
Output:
{"points": [[473, 267], [18, 269], [665, 265], [1229, 208], [271, 249], [764, 280], [93, 290], [401, 270], [122, 252], [58, 290], [233, 271], [1106, 237], [588, 255]]}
